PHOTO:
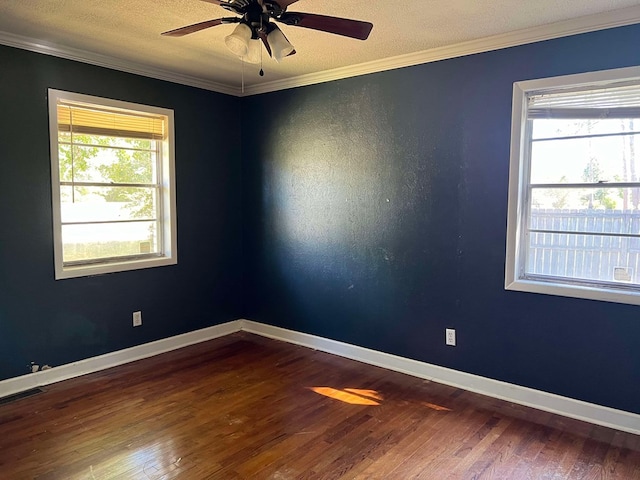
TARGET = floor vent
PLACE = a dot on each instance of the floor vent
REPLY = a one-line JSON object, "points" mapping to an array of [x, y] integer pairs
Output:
{"points": [[20, 395]]}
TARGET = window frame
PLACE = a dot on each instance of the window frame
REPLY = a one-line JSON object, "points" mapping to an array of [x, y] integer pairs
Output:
{"points": [[519, 203], [166, 197]]}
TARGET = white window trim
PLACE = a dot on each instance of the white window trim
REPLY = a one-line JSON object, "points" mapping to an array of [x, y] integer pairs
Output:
{"points": [[169, 222], [518, 174]]}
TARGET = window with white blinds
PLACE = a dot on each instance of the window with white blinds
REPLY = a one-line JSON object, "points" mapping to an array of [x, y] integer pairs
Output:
{"points": [[112, 185], [574, 189]]}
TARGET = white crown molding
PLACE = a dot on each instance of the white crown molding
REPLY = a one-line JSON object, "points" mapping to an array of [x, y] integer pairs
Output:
{"points": [[590, 23], [549, 402], [37, 46]]}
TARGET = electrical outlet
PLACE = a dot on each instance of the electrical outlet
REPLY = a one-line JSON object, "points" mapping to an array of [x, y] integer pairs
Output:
{"points": [[450, 336], [137, 319]]}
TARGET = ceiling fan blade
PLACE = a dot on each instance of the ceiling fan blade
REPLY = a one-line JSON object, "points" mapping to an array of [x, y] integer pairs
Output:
{"points": [[339, 26], [215, 2], [196, 27]]}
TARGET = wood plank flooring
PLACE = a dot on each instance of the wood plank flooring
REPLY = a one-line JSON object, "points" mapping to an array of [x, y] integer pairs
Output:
{"points": [[246, 407]]}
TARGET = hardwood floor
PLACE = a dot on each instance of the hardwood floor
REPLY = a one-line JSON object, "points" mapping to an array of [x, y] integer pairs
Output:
{"points": [[246, 407]]}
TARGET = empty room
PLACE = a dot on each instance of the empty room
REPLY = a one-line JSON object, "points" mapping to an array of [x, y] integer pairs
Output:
{"points": [[287, 239]]}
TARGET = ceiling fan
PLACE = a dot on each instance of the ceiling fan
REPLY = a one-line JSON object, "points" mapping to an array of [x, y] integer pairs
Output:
{"points": [[255, 24]]}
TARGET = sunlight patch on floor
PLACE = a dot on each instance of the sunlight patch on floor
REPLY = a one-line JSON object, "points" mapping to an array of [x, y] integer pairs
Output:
{"points": [[353, 396], [433, 406], [359, 396]]}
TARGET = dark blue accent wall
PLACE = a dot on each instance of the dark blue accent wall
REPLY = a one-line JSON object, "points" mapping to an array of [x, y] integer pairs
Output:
{"points": [[57, 322], [375, 214]]}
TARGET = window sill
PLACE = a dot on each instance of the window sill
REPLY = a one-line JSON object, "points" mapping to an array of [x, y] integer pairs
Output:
{"points": [[631, 297], [112, 267]]}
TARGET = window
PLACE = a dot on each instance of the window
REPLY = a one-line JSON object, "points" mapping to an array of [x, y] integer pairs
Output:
{"points": [[113, 188], [574, 187]]}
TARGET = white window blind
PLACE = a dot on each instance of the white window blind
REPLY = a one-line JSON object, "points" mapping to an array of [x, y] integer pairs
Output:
{"points": [[622, 101], [115, 123]]}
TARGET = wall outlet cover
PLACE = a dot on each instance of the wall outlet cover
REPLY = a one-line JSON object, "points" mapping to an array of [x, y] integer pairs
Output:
{"points": [[450, 336]]}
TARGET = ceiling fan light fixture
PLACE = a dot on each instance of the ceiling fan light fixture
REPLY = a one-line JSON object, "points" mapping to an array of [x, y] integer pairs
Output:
{"points": [[256, 24], [280, 46], [238, 41], [253, 51]]}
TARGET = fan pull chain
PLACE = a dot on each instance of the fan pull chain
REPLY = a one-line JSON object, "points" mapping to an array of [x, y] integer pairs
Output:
{"points": [[242, 62], [261, 71], [261, 48]]}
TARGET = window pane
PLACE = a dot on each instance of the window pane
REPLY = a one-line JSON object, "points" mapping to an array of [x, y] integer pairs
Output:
{"points": [[586, 199], [625, 222], [612, 159], [65, 163], [95, 241], [105, 140], [99, 204], [554, 128], [587, 257], [108, 160]]}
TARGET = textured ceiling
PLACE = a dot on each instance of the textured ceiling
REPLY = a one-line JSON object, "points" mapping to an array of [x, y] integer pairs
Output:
{"points": [[129, 31]]}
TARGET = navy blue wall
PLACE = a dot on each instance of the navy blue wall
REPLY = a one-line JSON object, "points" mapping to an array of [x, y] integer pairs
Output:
{"points": [[57, 322], [376, 215]]}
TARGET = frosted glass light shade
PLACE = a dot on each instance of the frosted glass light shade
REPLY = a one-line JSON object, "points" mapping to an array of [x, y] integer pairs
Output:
{"points": [[253, 51], [238, 41], [280, 46]]}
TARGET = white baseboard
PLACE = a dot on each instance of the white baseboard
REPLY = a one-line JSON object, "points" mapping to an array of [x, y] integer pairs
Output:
{"points": [[113, 359], [588, 412], [549, 402]]}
